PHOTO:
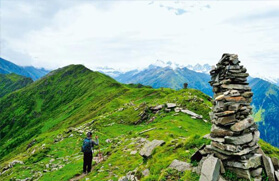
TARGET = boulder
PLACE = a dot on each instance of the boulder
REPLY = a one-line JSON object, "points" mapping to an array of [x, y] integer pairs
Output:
{"points": [[244, 124], [269, 169], [148, 148], [180, 165], [210, 169], [239, 140]]}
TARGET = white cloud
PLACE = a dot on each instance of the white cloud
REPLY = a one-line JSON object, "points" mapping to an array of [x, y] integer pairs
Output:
{"points": [[133, 34]]}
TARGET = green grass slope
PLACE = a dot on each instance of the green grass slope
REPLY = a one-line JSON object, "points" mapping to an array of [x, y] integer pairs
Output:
{"points": [[43, 125], [12, 82]]}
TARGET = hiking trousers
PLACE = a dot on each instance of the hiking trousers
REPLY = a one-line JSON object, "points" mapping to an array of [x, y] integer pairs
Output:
{"points": [[87, 161]]}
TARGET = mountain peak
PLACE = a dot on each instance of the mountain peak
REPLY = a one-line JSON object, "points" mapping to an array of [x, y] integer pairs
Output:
{"points": [[205, 68]]}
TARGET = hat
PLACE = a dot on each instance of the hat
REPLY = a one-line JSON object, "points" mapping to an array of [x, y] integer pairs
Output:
{"points": [[89, 134]]}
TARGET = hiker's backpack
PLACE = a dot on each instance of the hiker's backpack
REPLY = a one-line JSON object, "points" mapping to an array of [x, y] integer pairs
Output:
{"points": [[86, 147]]}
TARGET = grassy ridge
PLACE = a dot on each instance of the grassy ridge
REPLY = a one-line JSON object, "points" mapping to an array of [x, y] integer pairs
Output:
{"points": [[12, 82], [44, 123]]}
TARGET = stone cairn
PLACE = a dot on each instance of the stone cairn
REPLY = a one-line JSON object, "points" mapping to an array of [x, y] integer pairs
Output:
{"points": [[234, 135]]}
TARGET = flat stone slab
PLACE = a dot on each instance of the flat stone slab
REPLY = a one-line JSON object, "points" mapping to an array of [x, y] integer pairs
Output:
{"points": [[253, 162], [239, 140], [171, 105], [269, 169], [148, 148], [210, 169], [186, 111], [244, 124], [180, 165]]}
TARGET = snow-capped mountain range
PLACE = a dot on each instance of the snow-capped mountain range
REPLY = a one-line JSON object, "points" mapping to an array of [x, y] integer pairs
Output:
{"points": [[158, 63], [205, 68]]}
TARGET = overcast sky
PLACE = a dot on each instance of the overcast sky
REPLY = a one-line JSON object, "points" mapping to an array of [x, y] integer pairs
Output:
{"points": [[125, 34]]}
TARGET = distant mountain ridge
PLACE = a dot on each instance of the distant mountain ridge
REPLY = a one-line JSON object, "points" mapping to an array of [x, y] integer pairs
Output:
{"points": [[7, 67], [12, 82], [265, 100]]}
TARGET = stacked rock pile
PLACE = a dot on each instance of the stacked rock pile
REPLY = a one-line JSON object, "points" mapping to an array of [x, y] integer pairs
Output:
{"points": [[234, 134]]}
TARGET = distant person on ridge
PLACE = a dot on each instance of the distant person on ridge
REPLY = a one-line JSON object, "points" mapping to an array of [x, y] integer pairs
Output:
{"points": [[87, 149]]}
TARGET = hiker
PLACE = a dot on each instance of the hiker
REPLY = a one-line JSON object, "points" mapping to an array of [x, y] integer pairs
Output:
{"points": [[87, 148]]}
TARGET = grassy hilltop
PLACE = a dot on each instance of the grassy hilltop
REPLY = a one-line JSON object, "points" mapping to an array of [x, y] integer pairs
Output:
{"points": [[43, 125]]}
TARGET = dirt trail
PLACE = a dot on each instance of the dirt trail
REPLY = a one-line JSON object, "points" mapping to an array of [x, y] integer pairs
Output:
{"points": [[81, 176]]}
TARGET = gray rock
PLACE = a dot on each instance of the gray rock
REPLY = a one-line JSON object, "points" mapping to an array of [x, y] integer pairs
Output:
{"points": [[210, 169], [257, 172], [240, 153], [177, 110], [236, 86], [247, 94], [219, 106], [221, 179], [241, 173], [192, 114], [253, 162], [269, 169], [148, 148], [217, 131], [157, 108], [244, 124], [275, 163], [167, 110], [220, 140], [199, 167], [124, 178], [133, 152], [225, 113], [276, 175], [145, 172], [171, 105], [226, 120], [256, 138], [108, 140], [234, 93], [227, 147], [180, 166], [239, 140]]}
